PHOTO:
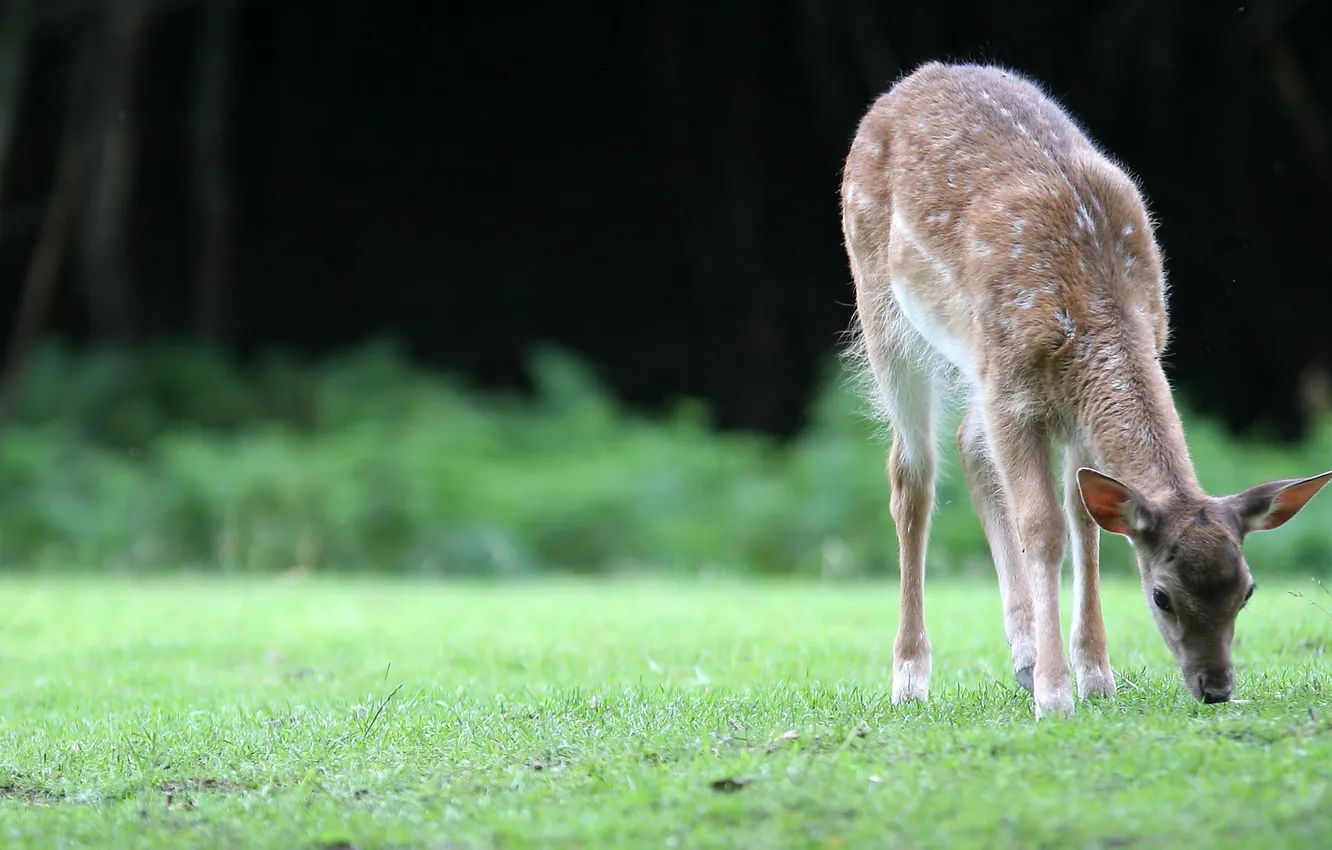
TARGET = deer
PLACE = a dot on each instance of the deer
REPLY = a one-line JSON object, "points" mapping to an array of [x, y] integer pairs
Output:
{"points": [[1004, 263]]}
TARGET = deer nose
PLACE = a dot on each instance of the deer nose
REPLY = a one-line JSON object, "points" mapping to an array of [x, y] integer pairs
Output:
{"points": [[1216, 686]]}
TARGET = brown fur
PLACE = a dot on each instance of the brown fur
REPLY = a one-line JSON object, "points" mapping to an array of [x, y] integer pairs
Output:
{"points": [[995, 248]]}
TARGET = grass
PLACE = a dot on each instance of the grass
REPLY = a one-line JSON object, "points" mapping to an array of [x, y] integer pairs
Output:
{"points": [[308, 713]]}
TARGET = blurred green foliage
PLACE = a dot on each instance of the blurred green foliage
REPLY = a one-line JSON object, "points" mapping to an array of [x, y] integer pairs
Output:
{"points": [[175, 457]]}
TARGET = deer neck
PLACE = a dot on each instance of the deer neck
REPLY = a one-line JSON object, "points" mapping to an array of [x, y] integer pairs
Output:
{"points": [[1133, 429]]}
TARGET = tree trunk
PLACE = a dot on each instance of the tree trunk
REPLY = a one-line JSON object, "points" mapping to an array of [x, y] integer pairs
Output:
{"points": [[213, 202], [295, 98], [742, 247], [710, 159], [682, 190], [816, 36], [16, 27], [44, 264], [869, 45], [106, 232]]}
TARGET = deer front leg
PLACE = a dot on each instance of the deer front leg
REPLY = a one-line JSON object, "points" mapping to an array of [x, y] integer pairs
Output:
{"points": [[987, 496], [1091, 661], [1022, 456]]}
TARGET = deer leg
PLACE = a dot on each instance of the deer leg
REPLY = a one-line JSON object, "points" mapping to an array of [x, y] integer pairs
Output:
{"points": [[1091, 661], [1022, 455], [912, 499], [908, 396], [987, 496]]}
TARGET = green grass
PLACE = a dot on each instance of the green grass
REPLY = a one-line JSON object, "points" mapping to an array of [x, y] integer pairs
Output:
{"points": [[305, 713]]}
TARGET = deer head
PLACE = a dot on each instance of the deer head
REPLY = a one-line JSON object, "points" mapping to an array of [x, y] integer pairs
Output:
{"points": [[1190, 558]]}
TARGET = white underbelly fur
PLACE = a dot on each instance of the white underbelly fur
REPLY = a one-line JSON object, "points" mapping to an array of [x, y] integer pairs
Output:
{"points": [[909, 257]]}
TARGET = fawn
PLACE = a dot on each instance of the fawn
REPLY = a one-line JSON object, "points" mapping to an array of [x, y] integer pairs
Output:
{"points": [[1001, 259]]}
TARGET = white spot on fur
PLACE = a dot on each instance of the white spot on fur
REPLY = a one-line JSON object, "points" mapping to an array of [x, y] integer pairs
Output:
{"points": [[1024, 297], [1020, 226], [1066, 322], [1015, 251], [1128, 229], [938, 217], [1083, 217], [981, 247]]}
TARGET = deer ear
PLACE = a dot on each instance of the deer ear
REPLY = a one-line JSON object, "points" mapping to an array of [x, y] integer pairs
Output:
{"points": [[1115, 506], [1267, 506]]}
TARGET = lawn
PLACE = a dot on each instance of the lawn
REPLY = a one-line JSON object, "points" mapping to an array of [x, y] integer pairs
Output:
{"points": [[310, 713]]}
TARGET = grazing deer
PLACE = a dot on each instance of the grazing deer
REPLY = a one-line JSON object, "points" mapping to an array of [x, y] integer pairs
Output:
{"points": [[996, 251]]}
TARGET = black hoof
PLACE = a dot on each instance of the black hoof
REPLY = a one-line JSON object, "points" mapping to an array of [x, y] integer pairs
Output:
{"points": [[1025, 678]]}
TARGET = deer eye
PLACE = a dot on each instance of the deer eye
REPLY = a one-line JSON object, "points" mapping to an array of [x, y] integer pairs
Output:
{"points": [[1249, 595], [1162, 601]]}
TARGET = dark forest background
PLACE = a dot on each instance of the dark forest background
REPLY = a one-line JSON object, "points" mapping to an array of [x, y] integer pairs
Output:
{"points": [[651, 185], [457, 288]]}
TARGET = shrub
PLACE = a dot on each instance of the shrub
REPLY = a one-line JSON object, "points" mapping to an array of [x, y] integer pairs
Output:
{"points": [[178, 458]]}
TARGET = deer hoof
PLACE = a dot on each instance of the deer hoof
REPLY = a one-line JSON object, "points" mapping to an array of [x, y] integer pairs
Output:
{"points": [[911, 681], [1026, 677], [1096, 682]]}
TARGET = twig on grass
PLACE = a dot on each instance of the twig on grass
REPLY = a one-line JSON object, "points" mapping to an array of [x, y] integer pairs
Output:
{"points": [[1123, 677]]}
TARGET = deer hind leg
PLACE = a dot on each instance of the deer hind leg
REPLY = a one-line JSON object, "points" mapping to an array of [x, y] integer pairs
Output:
{"points": [[987, 496], [1022, 456], [907, 395], [911, 473], [1091, 661]]}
